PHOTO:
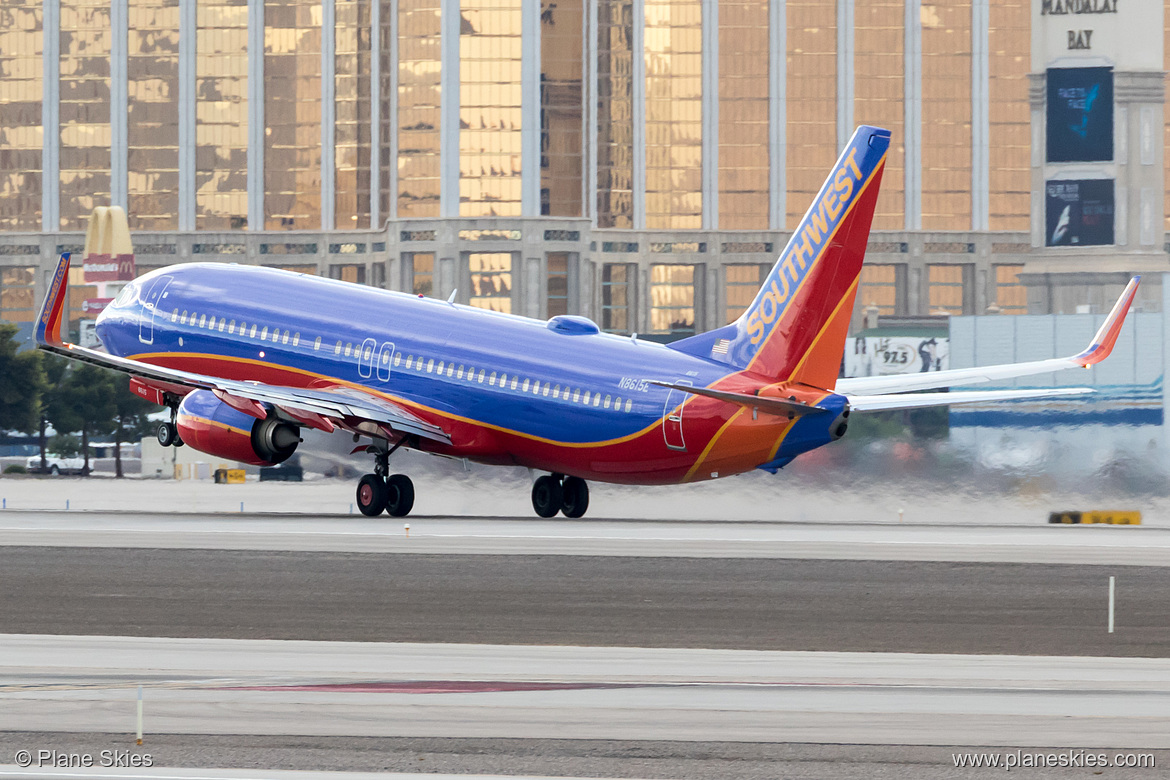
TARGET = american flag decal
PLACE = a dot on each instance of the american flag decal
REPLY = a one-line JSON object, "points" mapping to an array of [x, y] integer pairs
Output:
{"points": [[720, 347]]}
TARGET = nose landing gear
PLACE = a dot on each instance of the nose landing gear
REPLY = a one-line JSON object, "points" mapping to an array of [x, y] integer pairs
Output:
{"points": [[384, 492], [557, 493]]}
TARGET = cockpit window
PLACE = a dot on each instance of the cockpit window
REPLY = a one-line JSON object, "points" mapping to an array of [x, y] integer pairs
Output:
{"points": [[126, 295]]}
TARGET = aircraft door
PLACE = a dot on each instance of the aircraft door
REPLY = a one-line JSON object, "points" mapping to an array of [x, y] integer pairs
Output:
{"points": [[151, 305], [366, 356], [385, 355], [672, 418]]}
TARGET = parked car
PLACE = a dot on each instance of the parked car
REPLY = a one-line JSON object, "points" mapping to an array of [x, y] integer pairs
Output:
{"points": [[56, 464]]}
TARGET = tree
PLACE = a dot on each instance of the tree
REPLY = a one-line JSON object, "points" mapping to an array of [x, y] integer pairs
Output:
{"points": [[130, 411], [84, 402], [53, 398], [22, 381]]}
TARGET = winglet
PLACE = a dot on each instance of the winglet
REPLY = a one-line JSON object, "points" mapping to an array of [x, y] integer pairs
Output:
{"points": [[48, 329], [1106, 337]]}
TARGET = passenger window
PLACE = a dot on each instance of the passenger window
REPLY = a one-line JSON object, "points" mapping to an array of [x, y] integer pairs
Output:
{"points": [[450, 369], [607, 399], [557, 391], [459, 373], [545, 391], [366, 353], [576, 395], [284, 339], [597, 399], [585, 398], [431, 365], [441, 365], [296, 339], [232, 327], [211, 323], [385, 358], [629, 404], [348, 348], [515, 381], [398, 359], [252, 332], [503, 380], [263, 333], [222, 324], [492, 379], [203, 320], [317, 344], [337, 349], [409, 360], [617, 404], [482, 373], [183, 319], [175, 316], [524, 388]]}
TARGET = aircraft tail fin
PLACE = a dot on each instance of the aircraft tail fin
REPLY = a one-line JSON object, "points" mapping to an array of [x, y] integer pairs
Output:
{"points": [[48, 324], [795, 328]]}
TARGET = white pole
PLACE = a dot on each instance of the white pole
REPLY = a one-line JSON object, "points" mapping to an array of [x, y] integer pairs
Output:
{"points": [[139, 714], [1112, 588]]}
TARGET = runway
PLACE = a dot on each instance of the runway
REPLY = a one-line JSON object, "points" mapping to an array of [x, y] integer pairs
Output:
{"points": [[446, 535], [202, 686], [758, 604]]}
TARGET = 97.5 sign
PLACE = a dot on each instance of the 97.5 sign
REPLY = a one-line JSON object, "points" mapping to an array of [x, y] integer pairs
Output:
{"points": [[886, 355]]}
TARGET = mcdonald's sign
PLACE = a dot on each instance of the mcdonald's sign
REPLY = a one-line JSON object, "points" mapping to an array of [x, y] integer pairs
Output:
{"points": [[109, 255]]}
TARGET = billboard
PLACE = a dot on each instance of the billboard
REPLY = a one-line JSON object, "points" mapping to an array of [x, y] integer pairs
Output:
{"points": [[1080, 114], [886, 355], [1078, 212]]}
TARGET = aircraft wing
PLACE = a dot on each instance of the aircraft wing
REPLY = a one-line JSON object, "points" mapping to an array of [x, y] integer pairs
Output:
{"points": [[1098, 350], [323, 408]]}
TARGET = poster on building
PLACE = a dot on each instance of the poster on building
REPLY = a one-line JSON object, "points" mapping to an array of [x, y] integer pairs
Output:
{"points": [[886, 355], [1079, 212], [1080, 115]]}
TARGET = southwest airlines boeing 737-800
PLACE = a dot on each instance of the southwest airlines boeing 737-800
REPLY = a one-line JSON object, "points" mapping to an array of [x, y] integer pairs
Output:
{"points": [[245, 357]]}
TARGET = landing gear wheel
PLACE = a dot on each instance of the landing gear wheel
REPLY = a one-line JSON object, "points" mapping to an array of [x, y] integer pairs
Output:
{"points": [[371, 495], [400, 495], [167, 434], [547, 496], [575, 497]]}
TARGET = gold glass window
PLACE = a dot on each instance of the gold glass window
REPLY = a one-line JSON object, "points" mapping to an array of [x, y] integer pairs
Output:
{"points": [[292, 114], [422, 265], [79, 291], [489, 108], [558, 283], [615, 114], [743, 115], [946, 115], [17, 299], [672, 299], [617, 296], [351, 134], [878, 90], [1010, 296], [221, 115], [812, 100], [153, 122], [85, 110], [949, 289], [418, 96], [1009, 44], [560, 107], [491, 280], [881, 286], [351, 272], [21, 47], [740, 285], [674, 114]]}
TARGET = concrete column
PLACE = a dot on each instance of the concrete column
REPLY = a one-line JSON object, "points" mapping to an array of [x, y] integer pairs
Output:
{"points": [[256, 125], [777, 113], [589, 112], [980, 118], [188, 46], [913, 114], [328, 113], [51, 118], [639, 110], [710, 118], [845, 48], [449, 110], [530, 108], [119, 103]]}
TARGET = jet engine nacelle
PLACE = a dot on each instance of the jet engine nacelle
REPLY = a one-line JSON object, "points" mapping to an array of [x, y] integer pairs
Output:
{"points": [[209, 425]]}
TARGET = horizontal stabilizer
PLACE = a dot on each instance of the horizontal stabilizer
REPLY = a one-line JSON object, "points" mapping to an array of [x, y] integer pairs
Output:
{"points": [[778, 406], [884, 403]]}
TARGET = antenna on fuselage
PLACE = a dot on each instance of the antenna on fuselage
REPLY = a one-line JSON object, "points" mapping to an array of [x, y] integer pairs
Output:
{"points": [[451, 297]]}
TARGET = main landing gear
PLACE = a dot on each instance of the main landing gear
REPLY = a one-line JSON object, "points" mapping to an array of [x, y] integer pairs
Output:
{"points": [[382, 491], [558, 493], [168, 432]]}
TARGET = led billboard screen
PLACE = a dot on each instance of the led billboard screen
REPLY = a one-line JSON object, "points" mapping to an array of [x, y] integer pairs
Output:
{"points": [[1080, 114], [1079, 212]]}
